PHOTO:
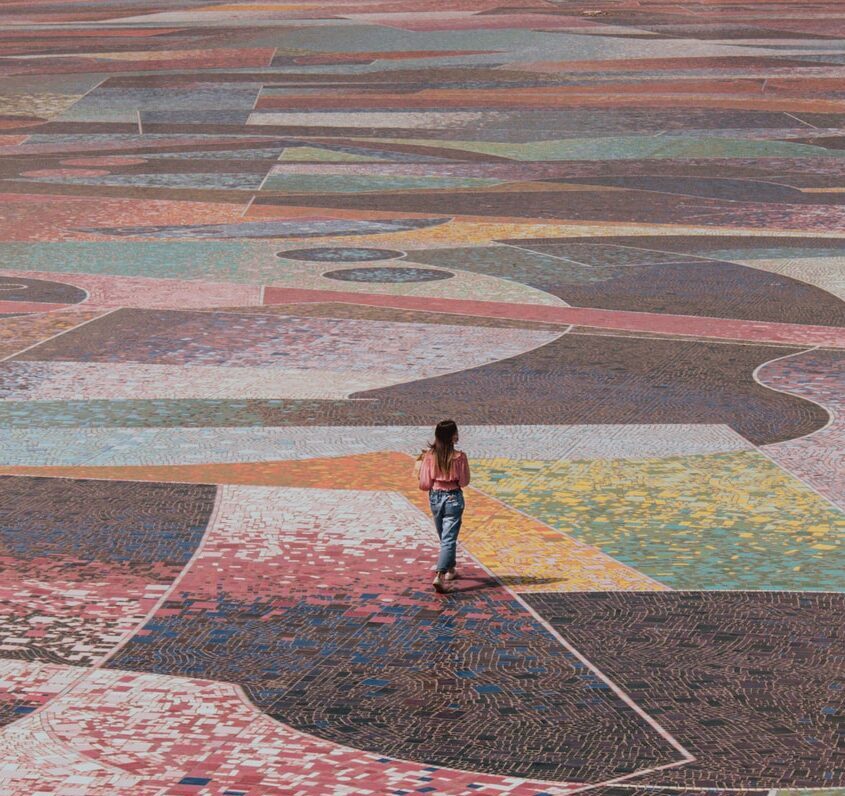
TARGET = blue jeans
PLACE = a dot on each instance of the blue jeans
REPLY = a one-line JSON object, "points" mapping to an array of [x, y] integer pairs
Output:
{"points": [[447, 509]]}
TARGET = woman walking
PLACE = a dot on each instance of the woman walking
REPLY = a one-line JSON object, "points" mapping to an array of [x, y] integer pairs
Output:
{"points": [[443, 472]]}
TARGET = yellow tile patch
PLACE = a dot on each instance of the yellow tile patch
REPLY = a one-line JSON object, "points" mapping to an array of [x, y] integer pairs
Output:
{"points": [[719, 521]]}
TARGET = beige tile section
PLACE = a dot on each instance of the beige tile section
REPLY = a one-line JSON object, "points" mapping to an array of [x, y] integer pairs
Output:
{"points": [[828, 273], [463, 285]]}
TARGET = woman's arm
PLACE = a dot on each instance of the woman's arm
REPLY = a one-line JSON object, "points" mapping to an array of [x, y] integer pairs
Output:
{"points": [[427, 473], [463, 470]]}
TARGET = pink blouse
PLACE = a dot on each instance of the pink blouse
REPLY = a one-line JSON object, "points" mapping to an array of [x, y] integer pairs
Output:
{"points": [[458, 473]]}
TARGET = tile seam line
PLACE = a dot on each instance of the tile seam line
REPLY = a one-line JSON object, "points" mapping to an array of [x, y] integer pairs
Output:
{"points": [[58, 334], [639, 334], [755, 374], [219, 500], [799, 479], [152, 148], [687, 756], [832, 416], [681, 338], [46, 725], [793, 116], [230, 311], [705, 259], [360, 395], [679, 194], [35, 273], [690, 257], [56, 304], [86, 93]]}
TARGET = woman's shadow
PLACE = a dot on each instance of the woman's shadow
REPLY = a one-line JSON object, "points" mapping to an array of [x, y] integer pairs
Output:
{"points": [[480, 583]]}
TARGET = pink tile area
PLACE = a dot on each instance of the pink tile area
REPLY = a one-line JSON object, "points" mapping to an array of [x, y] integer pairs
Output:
{"points": [[119, 732], [818, 459], [147, 292], [264, 545], [66, 612], [623, 320]]}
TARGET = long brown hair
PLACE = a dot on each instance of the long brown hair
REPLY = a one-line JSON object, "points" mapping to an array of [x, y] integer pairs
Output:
{"points": [[443, 446]]}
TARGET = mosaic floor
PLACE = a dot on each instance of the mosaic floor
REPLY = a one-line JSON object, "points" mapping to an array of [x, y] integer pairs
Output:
{"points": [[251, 251]]}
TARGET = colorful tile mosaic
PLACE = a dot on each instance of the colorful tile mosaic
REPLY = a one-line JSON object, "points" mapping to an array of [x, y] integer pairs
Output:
{"points": [[295, 593], [705, 663], [148, 732], [85, 561], [521, 552], [721, 521], [251, 252]]}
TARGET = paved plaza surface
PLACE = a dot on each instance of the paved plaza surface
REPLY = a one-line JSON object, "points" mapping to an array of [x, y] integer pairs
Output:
{"points": [[250, 253]]}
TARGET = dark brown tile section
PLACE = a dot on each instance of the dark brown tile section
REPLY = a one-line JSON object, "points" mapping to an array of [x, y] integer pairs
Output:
{"points": [[600, 379], [751, 683]]}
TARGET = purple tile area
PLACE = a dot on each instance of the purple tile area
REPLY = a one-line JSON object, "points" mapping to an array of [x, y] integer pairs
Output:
{"points": [[646, 278], [606, 379]]}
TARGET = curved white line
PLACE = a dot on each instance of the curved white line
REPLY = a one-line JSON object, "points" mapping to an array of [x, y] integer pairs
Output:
{"points": [[260, 714], [351, 396], [130, 634], [43, 719], [831, 415], [87, 670], [683, 259]]}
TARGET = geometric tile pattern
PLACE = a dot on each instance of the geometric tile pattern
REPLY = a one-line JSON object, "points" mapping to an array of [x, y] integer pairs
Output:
{"points": [[85, 561], [205, 735], [151, 354], [573, 380], [260, 608], [251, 252], [706, 662], [522, 552], [723, 521]]}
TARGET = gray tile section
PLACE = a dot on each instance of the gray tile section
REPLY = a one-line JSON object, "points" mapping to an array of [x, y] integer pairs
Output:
{"points": [[149, 446]]}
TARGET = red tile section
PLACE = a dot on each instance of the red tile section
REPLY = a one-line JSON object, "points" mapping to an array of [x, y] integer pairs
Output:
{"points": [[688, 325]]}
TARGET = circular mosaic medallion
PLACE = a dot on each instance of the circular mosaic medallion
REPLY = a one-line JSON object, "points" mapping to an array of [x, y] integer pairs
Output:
{"points": [[340, 254], [388, 275], [23, 296]]}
